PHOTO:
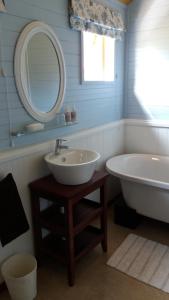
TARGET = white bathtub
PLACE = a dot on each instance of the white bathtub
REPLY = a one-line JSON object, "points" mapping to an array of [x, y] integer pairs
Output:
{"points": [[145, 183]]}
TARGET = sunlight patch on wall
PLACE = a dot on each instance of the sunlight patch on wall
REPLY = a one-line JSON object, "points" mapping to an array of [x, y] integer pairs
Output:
{"points": [[150, 61], [152, 78]]}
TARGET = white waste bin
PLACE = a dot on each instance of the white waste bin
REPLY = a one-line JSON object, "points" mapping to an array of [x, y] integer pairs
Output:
{"points": [[20, 274]]}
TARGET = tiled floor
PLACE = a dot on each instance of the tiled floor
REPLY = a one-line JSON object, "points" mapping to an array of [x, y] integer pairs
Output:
{"points": [[94, 279]]}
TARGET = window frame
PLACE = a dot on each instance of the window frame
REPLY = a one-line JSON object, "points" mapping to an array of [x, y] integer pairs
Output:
{"points": [[83, 81]]}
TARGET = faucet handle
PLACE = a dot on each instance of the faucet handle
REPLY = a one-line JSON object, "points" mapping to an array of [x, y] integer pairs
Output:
{"points": [[58, 145], [60, 140]]}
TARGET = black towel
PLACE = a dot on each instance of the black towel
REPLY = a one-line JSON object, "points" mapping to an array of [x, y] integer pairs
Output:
{"points": [[13, 221]]}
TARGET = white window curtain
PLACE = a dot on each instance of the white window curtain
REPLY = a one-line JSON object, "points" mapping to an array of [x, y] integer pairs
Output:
{"points": [[90, 15]]}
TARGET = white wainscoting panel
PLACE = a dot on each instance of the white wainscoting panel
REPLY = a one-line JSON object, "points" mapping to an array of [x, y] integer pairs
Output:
{"points": [[27, 164], [142, 136]]}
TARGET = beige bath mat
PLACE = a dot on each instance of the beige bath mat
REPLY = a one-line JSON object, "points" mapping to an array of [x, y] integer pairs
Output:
{"points": [[143, 259]]}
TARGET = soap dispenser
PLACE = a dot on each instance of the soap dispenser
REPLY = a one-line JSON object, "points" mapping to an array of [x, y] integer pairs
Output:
{"points": [[73, 114], [67, 112]]}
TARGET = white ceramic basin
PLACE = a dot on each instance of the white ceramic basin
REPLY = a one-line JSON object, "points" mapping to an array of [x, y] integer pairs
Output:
{"points": [[72, 166]]}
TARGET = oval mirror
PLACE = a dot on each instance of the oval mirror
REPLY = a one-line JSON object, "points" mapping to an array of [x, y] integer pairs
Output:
{"points": [[40, 71]]}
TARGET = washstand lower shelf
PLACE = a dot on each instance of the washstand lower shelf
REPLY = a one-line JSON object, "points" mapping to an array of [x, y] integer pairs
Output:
{"points": [[68, 219], [55, 245], [85, 211]]}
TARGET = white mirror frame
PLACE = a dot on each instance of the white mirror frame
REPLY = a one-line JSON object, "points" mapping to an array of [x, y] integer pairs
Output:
{"points": [[28, 32]]}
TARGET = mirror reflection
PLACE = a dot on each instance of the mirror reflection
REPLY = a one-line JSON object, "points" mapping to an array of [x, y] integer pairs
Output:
{"points": [[42, 73]]}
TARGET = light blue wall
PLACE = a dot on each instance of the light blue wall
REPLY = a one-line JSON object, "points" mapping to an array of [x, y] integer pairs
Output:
{"points": [[147, 60], [96, 103]]}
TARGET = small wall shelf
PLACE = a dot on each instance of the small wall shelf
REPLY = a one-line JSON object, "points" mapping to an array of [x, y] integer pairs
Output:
{"points": [[24, 132]]}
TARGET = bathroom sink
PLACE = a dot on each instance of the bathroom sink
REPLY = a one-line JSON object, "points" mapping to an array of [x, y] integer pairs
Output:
{"points": [[72, 166]]}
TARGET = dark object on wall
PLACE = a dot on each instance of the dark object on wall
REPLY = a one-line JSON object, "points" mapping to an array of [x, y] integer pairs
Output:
{"points": [[13, 221], [124, 215], [2, 287]]}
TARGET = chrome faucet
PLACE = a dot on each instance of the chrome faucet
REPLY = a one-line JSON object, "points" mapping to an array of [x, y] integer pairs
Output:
{"points": [[59, 146]]}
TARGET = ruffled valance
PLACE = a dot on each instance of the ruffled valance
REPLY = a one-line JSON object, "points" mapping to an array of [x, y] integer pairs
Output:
{"points": [[89, 15]]}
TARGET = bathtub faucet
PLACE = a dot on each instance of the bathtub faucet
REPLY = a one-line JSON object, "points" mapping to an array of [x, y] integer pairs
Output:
{"points": [[59, 146]]}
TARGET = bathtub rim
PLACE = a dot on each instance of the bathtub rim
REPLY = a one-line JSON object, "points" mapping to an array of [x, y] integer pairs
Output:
{"points": [[138, 179]]}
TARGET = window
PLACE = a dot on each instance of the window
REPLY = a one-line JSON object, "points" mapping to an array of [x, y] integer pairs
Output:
{"points": [[98, 53]]}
